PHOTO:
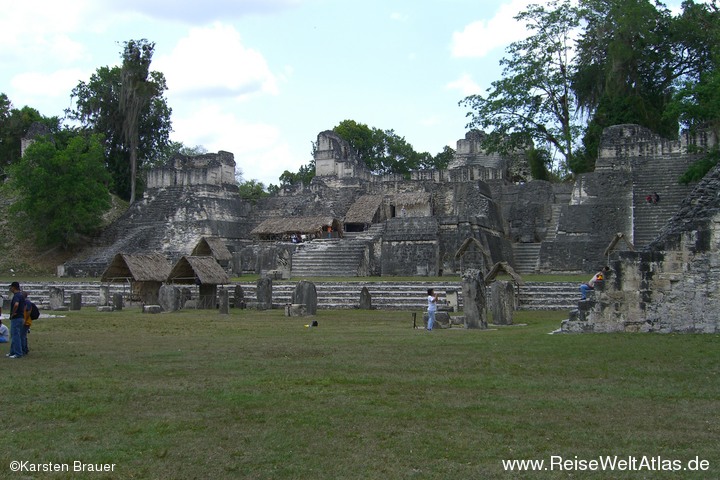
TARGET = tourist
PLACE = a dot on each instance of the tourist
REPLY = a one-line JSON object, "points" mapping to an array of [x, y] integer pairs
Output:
{"points": [[599, 276], [27, 322], [432, 299], [17, 320], [656, 198], [4, 333]]}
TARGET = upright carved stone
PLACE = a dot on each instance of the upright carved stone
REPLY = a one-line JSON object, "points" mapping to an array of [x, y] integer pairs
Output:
{"points": [[169, 298], [264, 293], [117, 302], [57, 298], [306, 294], [75, 301], [365, 299], [104, 300], [475, 301], [224, 301], [239, 297], [502, 302]]}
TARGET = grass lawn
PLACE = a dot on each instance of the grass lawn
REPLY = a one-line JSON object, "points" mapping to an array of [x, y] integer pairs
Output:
{"points": [[257, 395]]}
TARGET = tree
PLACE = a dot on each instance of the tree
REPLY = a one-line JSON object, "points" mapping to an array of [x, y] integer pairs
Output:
{"points": [[383, 151], [252, 190], [98, 109], [61, 189], [135, 92], [14, 125], [532, 102], [625, 69]]}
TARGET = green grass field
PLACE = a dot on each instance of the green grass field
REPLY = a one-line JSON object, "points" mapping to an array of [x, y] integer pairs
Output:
{"points": [[256, 395]]}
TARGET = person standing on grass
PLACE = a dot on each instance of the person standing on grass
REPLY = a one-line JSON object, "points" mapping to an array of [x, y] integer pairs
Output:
{"points": [[17, 320], [432, 299]]}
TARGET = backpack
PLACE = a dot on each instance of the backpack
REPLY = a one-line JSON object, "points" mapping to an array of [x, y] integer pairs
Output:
{"points": [[34, 311], [31, 313]]}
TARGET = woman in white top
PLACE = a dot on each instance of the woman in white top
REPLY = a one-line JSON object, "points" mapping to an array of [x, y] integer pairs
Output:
{"points": [[432, 308]]}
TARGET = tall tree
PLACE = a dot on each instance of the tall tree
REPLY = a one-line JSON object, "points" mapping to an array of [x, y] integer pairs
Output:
{"points": [[625, 69], [98, 109], [136, 91], [532, 102], [61, 189]]}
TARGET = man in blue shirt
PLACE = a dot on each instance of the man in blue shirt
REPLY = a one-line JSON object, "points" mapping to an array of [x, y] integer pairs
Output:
{"points": [[17, 320]]}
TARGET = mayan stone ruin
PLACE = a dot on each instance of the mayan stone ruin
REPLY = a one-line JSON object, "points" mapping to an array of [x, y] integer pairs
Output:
{"points": [[350, 222]]}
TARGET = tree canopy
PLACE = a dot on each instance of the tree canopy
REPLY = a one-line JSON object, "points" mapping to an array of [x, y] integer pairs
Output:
{"points": [[61, 191], [127, 106], [603, 62]]}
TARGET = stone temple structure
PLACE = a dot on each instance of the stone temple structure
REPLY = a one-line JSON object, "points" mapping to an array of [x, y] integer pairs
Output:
{"points": [[355, 223], [671, 286]]}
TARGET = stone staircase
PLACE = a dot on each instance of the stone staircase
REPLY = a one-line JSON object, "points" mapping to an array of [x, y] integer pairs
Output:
{"points": [[337, 257], [526, 257], [662, 177], [385, 295], [554, 219], [329, 258]]}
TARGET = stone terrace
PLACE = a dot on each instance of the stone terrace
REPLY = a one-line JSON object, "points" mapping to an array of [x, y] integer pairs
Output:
{"points": [[331, 295]]}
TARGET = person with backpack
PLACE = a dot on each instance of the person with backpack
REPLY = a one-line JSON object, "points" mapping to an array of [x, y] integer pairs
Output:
{"points": [[30, 313], [17, 321]]}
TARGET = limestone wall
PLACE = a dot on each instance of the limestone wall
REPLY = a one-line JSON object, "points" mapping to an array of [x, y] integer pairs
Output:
{"points": [[674, 284], [209, 169]]}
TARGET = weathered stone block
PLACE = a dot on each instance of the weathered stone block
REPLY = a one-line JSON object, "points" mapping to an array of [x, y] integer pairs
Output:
{"points": [[152, 309], [305, 293]]}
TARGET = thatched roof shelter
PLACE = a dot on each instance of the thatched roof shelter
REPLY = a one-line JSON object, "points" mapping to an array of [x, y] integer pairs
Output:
{"points": [[124, 268], [278, 227], [364, 210], [190, 270], [212, 247], [616, 239], [503, 267]]}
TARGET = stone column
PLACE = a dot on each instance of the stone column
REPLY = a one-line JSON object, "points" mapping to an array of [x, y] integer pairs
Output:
{"points": [[475, 302]]}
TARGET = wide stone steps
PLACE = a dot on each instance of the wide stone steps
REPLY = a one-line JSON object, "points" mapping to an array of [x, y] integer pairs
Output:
{"points": [[661, 177], [526, 257], [328, 259], [345, 295]]}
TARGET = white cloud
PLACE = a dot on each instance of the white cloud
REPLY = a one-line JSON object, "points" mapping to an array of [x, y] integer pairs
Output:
{"points": [[481, 37], [260, 151], [465, 84], [213, 61], [54, 84]]}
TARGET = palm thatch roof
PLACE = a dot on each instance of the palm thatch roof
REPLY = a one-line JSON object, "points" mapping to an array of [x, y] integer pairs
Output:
{"points": [[503, 267], [364, 209], [288, 225], [190, 270], [616, 239], [152, 267], [212, 247], [411, 198]]}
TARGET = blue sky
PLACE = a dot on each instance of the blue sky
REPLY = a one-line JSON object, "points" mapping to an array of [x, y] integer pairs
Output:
{"points": [[261, 78]]}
